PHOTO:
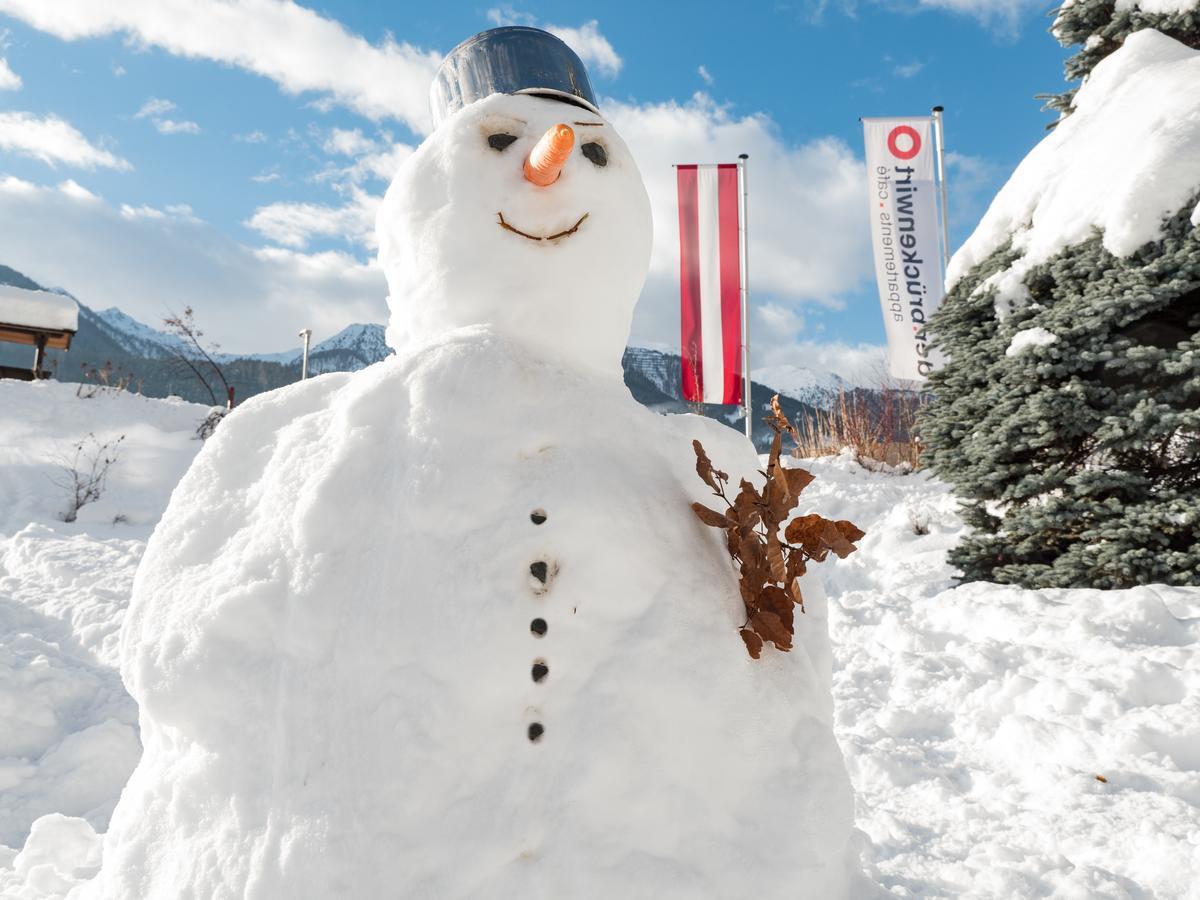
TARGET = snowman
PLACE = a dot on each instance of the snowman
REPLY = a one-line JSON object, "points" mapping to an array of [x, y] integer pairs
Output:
{"points": [[447, 627]]}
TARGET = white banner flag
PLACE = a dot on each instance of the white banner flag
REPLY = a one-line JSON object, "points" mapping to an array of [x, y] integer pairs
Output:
{"points": [[904, 238]]}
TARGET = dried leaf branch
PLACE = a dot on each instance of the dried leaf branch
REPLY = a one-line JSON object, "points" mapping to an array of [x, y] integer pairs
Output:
{"points": [[769, 565]]}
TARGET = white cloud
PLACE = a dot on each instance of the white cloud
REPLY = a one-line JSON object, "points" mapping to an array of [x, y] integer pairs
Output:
{"points": [[1005, 14], [266, 177], [155, 106], [53, 141], [593, 47], [247, 299], [380, 164], [705, 76], [77, 191], [908, 70], [864, 365], [170, 126], [506, 15], [808, 231], [141, 212], [296, 47], [254, 137], [118, 71], [347, 142], [297, 224], [586, 40], [9, 80]]}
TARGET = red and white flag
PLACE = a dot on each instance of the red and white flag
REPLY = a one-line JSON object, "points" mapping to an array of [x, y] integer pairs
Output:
{"points": [[710, 283]]}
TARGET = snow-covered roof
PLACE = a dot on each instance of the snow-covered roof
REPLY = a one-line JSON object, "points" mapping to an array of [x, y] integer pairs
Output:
{"points": [[37, 309]]}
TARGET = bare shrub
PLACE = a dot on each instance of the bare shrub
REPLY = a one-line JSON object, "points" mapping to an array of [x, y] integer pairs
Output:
{"points": [[104, 380], [197, 359], [208, 425], [878, 426], [85, 472]]}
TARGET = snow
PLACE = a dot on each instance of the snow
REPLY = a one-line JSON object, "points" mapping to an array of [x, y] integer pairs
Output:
{"points": [[1128, 156], [68, 728], [366, 341], [138, 338], [330, 629], [974, 720], [438, 228], [37, 309], [1159, 7], [801, 383], [1028, 338], [328, 638]]}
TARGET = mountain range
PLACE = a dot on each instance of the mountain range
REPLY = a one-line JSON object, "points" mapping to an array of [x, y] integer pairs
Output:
{"points": [[112, 344]]}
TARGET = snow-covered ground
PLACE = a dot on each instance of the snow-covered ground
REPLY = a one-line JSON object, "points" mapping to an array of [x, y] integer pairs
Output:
{"points": [[977, 722], [68, 729]]}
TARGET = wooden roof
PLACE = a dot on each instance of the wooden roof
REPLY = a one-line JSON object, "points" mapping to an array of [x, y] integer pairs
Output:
{"points": [[25, 316]]}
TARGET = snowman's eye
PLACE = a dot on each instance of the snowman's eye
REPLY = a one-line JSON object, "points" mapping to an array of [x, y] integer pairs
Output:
{"points": [[500, 142], [595, 152]]}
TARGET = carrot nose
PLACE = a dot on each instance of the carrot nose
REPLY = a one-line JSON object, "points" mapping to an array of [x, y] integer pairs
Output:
{"points": [[549, 155]]}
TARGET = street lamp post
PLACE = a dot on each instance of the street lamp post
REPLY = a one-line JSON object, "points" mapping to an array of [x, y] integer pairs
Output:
{"points": [[307, 335]]}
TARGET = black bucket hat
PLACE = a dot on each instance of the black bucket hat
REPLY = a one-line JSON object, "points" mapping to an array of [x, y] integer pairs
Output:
{"points": [[510, 60]]}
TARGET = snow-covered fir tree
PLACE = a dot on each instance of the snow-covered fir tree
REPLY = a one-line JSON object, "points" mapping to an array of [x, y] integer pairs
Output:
{"points": [[1068, 417], [1098, 27]]}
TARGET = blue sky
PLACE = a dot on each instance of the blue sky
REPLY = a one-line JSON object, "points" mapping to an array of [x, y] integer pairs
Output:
{"points": [[229, 153]]}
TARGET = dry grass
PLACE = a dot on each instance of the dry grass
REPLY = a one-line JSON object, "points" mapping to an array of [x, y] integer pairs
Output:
{"points": [[877, 426]]}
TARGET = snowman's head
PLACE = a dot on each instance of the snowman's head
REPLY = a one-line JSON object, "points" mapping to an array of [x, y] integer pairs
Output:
{"points": [[465, 237]]}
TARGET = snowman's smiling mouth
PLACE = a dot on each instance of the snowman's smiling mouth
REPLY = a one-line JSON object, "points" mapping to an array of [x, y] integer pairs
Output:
{"points": [[534, 237]]}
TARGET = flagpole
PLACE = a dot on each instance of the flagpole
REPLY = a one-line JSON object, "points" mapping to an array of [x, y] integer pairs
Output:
{"points": [[940, 131], [744, 265]]}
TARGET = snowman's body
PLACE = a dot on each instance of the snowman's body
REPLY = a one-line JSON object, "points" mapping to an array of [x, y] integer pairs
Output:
{"points": [[331, 633]]}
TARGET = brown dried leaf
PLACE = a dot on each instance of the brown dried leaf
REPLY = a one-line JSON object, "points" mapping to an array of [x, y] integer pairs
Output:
{"points": [[711, 516], [797, 596], [733, 540], [798, 479], [754, 643], [795, 566], [775, 556], [779, 421], [850, 531], [775, 599], [779, 503], [746, 504], [806, 531], [770, 628], [753, 554], [704, 467], [833, 539]]}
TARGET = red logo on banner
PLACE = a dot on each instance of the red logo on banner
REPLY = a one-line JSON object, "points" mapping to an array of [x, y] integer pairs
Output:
{"points": [[894, 143]]}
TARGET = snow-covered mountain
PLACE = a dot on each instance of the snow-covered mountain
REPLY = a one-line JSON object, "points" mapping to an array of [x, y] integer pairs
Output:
{"points": [[151, 357], [804, 384], [354, 347], [134, 337]]}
